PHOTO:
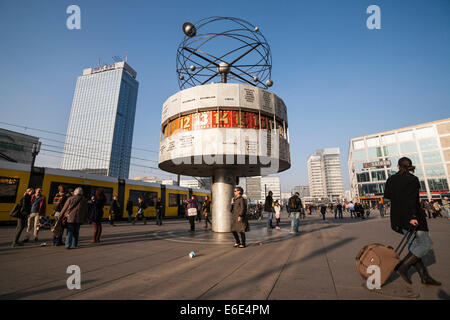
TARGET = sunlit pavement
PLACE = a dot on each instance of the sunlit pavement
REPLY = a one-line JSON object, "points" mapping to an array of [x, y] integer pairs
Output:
{"points": [[152, 262]]}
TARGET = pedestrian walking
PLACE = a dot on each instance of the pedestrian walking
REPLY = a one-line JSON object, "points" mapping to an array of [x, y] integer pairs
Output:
{"points": [[351, 208], [429, 209], [402, 189], [339, 210], [192, 204], [114, 210], [293, 208], [381, 209], [38, 207], [268, 208], [98, 201], [446, 207], [206, 210], [437, 209], [75, 211], [277, 210], [159, 212], [141, 211], [323, 210], [239, 220], [58, 204], [130, 209], [24, 211], [366, 209], [336, 211]]}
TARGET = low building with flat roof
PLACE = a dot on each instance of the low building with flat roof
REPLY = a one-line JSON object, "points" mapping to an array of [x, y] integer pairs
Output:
{"points": [[373, 158]]}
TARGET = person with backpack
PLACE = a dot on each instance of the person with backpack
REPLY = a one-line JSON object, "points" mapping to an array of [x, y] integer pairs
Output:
{"points": [[403, 189], [24, 208], [294, 208]]}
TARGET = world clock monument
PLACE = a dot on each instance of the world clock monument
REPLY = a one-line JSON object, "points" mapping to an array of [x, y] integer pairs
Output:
{"points": [[224, 123]]}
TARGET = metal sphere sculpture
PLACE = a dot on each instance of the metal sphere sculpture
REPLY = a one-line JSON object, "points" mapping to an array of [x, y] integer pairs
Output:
{"points": [[201, 59]]}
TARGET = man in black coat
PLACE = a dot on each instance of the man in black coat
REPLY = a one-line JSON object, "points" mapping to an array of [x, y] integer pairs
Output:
{"points": [[402, 189], [25, 208]]}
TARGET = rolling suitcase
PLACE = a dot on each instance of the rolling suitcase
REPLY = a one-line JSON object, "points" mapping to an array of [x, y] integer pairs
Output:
{"points": [[385, 257]]}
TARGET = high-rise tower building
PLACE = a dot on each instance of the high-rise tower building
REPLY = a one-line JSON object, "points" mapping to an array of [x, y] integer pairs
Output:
{"points": [[100, 130], [325, 176]]}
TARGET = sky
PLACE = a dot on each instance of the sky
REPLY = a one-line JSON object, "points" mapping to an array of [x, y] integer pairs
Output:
{"points": [[338, 78]]}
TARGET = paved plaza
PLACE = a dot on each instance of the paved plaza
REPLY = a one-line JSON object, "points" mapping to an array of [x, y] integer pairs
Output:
{"points": [[152, 262]]}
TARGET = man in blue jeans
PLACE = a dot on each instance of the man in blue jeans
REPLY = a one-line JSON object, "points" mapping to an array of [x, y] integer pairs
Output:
{"points": [[75, 211], [294, 208], [268, 207]]}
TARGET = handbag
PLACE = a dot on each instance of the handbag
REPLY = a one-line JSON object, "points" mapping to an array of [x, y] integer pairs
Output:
{"points": [[192, 212], [15, 212]]}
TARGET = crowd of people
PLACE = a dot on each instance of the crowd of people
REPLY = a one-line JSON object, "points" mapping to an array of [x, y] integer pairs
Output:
{"points": [[71, 209]]}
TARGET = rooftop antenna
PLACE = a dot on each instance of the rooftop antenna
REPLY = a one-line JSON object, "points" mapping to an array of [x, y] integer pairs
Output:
{"points": [[99, 61], [126, 56]]}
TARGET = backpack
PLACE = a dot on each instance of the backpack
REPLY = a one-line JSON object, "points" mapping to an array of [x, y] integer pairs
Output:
{"points": [[292, 204]]}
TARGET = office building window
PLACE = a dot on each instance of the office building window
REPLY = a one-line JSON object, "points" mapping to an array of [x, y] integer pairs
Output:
{"points": [[391, 150], [405, 136], [422, 186], [428, 144], [359, 155], [438, 184], [408, 147], [358, 144], [424, 133], [388, 139], [435, 170], [363, 177], [378, 175], [374, 152], [431, 157], [373, 142]]}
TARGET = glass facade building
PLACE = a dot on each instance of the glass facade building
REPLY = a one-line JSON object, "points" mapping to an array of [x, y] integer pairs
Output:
{"points": [[373, 158], [101, 124]]}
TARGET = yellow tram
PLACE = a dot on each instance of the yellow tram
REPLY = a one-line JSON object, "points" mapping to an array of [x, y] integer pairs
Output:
{"points": [[16, 178]]}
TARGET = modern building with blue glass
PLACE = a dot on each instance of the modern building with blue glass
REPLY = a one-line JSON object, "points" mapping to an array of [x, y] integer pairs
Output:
{"points": [[373, 158], [101, 124]]}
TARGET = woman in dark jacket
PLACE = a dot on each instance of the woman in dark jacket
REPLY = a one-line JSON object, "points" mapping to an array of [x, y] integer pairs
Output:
{"points": [[25, 208], [406, 213], [206, 211], [98, 202], [239, 221], [114, 210]]}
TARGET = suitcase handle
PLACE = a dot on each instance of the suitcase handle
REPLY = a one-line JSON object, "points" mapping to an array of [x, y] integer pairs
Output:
{"points": [[406, 237]]}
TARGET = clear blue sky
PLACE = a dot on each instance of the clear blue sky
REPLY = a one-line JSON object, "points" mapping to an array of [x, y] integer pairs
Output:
{"points": [[338, 79]]}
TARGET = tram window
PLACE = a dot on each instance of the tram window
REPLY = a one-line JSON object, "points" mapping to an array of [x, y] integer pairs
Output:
{"points": [[183, 198], [8, 189], [173, 200], [88, 191], [149, 197]]}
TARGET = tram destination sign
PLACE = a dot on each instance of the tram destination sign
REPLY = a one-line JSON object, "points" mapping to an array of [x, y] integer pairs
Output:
{"points": [[381, 163]]}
